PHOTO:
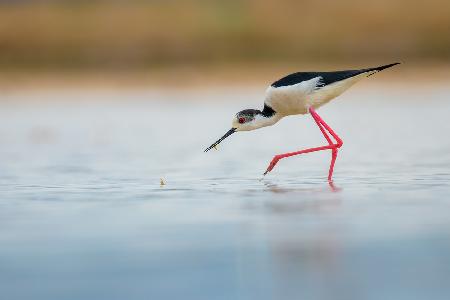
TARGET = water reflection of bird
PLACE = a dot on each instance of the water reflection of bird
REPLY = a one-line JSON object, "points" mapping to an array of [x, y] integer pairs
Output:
{"points": [[300, 93]]}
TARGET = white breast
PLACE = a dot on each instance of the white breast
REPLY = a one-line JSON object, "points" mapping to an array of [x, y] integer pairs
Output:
{"points": [[291, 99]]}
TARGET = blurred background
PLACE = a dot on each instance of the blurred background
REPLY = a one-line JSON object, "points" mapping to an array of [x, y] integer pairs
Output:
{"points": [[152, 38], [106, 108]]}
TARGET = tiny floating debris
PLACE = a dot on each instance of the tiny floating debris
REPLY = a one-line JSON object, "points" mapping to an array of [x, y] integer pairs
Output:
{"points": [[161, 182]]}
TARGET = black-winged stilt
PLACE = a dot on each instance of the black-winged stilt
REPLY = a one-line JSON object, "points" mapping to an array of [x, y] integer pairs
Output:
{"points": [[300, 93]]}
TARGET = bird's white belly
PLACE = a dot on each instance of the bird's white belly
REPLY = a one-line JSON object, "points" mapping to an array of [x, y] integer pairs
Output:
{"points": [[291, 100], [325, 94], [291, 104], [296, 99]]}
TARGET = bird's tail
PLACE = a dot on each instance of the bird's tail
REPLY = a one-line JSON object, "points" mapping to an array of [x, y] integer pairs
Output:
{"points": [[381, 68]]}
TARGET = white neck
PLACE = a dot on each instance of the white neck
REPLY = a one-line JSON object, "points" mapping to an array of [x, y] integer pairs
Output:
{"points": [[259, 122]]}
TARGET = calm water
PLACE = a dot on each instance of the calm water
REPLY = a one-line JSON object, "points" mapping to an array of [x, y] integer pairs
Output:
{"points": [[83, 215]]}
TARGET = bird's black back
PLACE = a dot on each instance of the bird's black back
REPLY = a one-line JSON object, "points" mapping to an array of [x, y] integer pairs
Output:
{"points": [[326, 77]]}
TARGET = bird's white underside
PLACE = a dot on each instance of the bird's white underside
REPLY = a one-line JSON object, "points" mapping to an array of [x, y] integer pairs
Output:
{"points": [[296, 99]]}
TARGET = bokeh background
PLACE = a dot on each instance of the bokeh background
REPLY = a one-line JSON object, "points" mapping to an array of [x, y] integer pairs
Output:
{"points": [[106, 108], [197, 38]]}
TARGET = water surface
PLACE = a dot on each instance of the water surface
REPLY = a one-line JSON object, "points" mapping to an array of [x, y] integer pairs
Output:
{"points": [[83, 214]]}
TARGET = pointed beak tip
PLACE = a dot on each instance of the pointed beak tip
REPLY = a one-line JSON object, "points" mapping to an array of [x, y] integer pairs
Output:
{"points": [[229, 132]]}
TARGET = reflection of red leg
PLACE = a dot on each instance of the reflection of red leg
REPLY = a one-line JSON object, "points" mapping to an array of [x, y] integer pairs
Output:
{"points": [[332, 146]]}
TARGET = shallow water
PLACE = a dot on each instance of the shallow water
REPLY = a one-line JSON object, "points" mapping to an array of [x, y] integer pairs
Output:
{"points": [[83, 214]]}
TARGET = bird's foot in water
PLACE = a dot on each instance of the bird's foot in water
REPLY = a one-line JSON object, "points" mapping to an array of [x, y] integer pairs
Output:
{"points": [[272, 164]]}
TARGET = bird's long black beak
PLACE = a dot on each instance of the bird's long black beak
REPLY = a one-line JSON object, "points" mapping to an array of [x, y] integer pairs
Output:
{"points": [[230, 132]]}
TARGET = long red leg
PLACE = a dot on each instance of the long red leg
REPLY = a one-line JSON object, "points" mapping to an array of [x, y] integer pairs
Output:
{"points": [[333, 150], [332, 146], [338, 144]]}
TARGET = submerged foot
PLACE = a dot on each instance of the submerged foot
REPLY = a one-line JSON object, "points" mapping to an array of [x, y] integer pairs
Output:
{"points": [[272, 164]]}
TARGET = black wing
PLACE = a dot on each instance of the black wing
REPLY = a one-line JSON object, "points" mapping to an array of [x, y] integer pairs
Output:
{"points": [[327, 77]]}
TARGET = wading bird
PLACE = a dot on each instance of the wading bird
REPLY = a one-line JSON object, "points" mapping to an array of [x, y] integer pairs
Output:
{"points": [[298, 94]]}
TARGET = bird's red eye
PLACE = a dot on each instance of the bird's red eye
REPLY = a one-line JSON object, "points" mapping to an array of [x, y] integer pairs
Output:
{"points": [[241, 120]]}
